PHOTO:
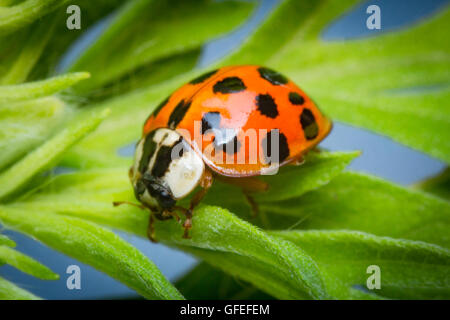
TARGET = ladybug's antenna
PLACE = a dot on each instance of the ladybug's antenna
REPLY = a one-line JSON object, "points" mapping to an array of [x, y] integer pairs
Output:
{"points": [[119, 203]]}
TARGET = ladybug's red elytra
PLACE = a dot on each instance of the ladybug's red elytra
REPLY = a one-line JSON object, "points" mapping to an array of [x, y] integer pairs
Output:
{"points": [[232, 124]]}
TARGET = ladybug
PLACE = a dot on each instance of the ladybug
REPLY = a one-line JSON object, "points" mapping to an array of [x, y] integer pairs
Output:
{"points": [[231, 124]]}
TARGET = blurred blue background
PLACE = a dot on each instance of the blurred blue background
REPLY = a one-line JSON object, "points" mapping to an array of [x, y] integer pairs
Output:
{"points": [[381, 156]]}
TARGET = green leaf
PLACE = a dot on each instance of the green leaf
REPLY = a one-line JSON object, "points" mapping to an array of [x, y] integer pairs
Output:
{"points": [[148, 75], [318, 170], [408, 269], [146, 30], [363, 82], [290, 182], [204, 282], [26, 264], [4, 240], [47, 154], [93, 245], [24, 13], [26, 56], [9, 291], [56, 40], [89, 195], [38, 89], [438, 185], [360, 202], [26, 124]]}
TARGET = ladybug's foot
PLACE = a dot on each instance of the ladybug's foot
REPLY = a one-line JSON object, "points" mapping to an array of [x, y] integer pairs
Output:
{"points": [[187, 224], [253, 205], [151, 229]]}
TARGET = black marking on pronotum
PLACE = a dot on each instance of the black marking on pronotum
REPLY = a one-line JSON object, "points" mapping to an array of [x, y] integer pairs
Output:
{"points": [[283, 147], [163, 159], [266, 105], [231, 147], [203, 77], [210, 120], [296, 98], [148, 150], [229, 85], [309, 124], [272, 76], [178, 113]]}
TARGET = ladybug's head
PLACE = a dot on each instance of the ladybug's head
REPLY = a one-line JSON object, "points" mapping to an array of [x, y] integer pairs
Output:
{"points": [[165, 169]]}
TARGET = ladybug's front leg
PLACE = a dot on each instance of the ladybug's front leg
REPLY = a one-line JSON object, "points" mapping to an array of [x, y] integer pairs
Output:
{"points": [[205, 184]]}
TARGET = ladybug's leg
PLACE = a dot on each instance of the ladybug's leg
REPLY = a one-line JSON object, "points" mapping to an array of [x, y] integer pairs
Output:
{"points": [[166, 214], [205, 184], [248, 185], [153, 214], [253, 205], [151, 228]]}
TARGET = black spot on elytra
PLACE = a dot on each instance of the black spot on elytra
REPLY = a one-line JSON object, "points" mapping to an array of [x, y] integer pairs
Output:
{"points": [[309, 124], [272, 76], [229, 85], [296, 98], [210, 120], [231, 147], [203, 77], [283, 147], [178, 113], [147, 152], [266, 105]]}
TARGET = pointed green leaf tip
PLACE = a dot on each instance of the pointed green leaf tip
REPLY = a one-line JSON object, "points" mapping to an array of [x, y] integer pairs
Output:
{"points": [[26, 264], [4, 240]]}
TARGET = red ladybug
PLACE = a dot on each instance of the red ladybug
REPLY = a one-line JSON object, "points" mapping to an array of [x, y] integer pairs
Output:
{"points": [[233, 124]]}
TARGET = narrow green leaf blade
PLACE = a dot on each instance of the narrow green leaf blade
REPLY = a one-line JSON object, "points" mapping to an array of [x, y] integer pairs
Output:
{"points": [[24, 13], [146, 30], [93, 245], [48, 153], [408, 269], [9, 291], [4, 240], [26, 124], [37, 89], [360, 202], [26, 264], [318, 170]]}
